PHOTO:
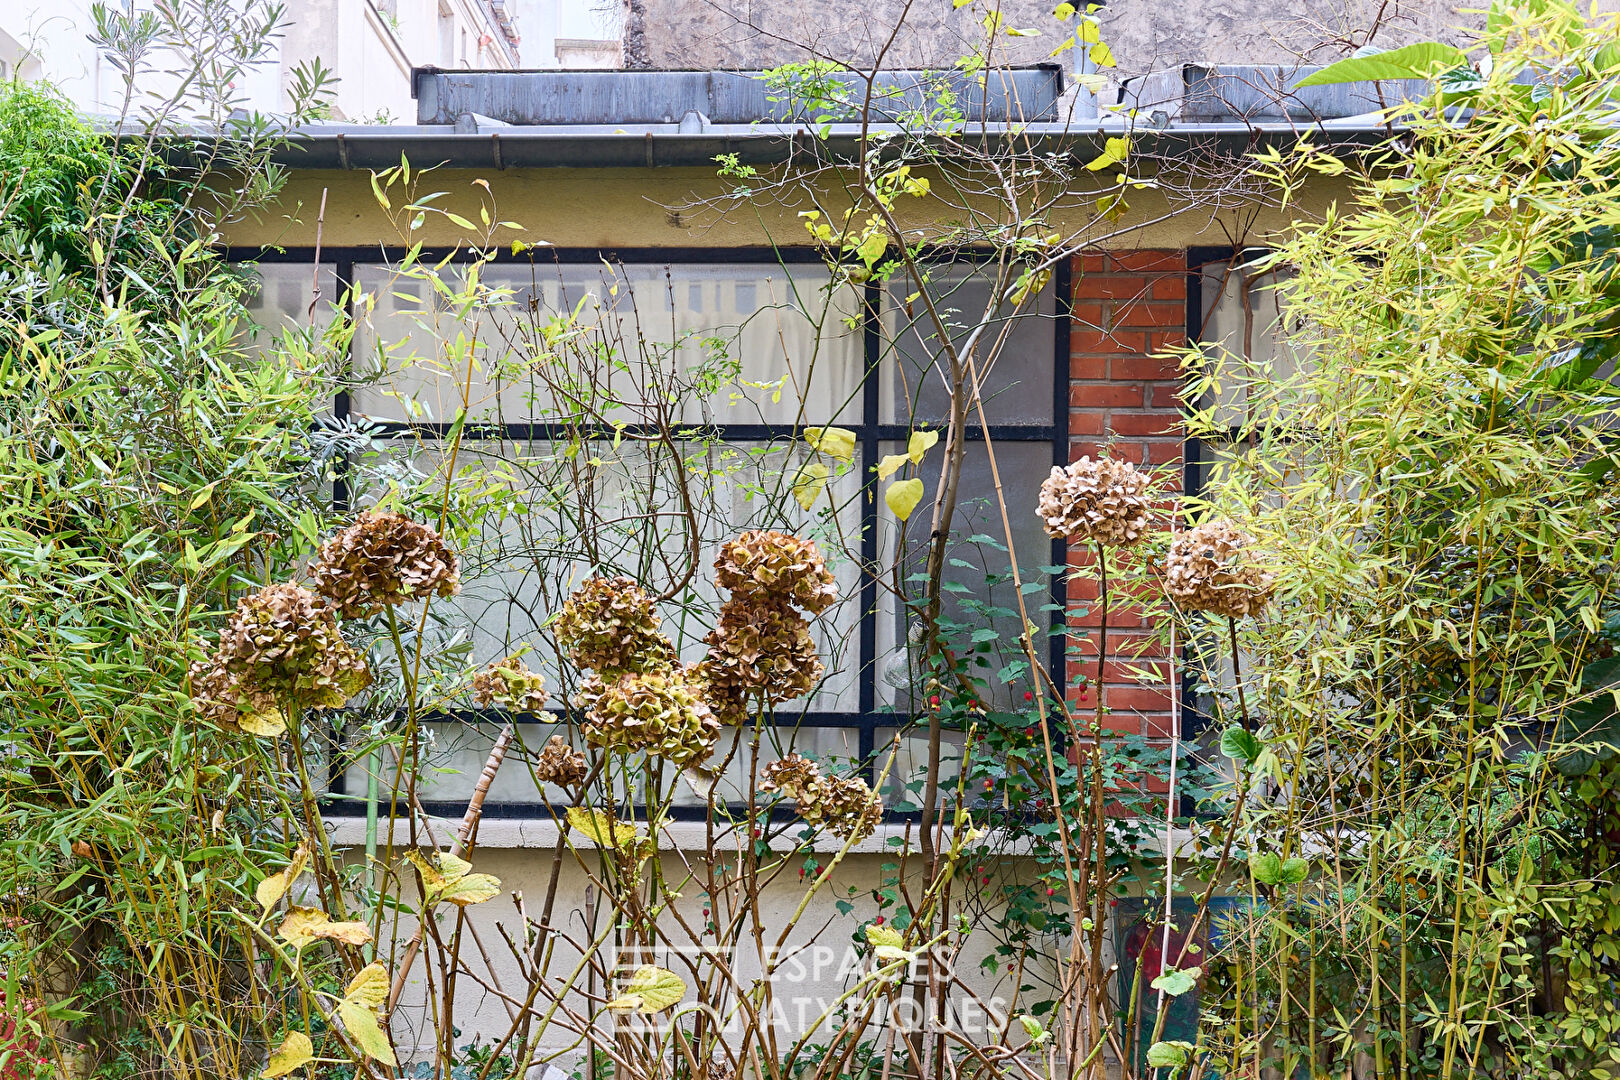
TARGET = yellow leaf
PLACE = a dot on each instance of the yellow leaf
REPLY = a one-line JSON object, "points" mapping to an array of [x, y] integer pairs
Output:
{"points": [[1088, 31], [369, 987], [1064, 11], [457, 219], [472, 889], [267, 724], [447, 877], [809, 484], [304, 925], [891, 464], [836, 442], [295, 1050], [649, 990], [361, 1024], [883, 935], [595, 825], [378, 191], [1102, 55], [919, 444], [274, 887], [903, 497]]}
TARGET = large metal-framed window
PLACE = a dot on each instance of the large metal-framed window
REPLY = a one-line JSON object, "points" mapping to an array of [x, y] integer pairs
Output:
{"points": [[1027, 409]]}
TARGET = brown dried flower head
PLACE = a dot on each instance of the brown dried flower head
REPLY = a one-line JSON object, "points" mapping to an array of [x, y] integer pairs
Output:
{"points": [[1105, 501], [511, 685], [282, 646], [560, 763], [1210, 568], [222, 700], [846, 806], [658, 711], [777, 568], [384, 559], [609, 626], [763, 648]]}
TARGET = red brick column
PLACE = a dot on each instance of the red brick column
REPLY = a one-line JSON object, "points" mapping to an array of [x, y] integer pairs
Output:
{"points": [[1123, 400]]}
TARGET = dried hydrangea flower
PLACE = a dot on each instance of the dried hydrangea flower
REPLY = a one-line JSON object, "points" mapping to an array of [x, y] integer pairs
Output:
{"points": [[761, 648], [1209, 568], [282, 644], [560, 763], [846, 806], [776, 568], [659, 712], [1105, 501], [609, 626], [511, 685], [727, 700], [384, 559], [222, 700]]}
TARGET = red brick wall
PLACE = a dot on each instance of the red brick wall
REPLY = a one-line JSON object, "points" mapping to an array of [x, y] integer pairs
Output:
{"points": [[1127, 306]]}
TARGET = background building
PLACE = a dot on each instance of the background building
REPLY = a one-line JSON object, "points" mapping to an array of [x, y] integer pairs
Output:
{"points": [[370, 46]]}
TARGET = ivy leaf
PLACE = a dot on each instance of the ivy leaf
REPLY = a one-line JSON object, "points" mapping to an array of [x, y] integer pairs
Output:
{"points": [[1417, 61], [274, 887], [295, 1050], [919, 444], [1173, 1054], [903, 497], [1175, 983], [1240, 745], [809, 484], [649, 990], [836, 442], [304, 925]]}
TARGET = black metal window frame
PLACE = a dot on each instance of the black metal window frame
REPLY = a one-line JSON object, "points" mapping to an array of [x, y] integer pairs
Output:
{"points": [[870, 434]]}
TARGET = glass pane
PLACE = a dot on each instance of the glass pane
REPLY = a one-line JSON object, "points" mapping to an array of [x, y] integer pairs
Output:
{"points": [[979, 594], [1015, 352], [726, 344], [840, 745], [563, 513], [281, 295], [453, 760], [1243, 329], [908, 777]]}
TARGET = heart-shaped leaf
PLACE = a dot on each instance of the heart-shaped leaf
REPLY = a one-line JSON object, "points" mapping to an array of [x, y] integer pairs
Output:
{"points": [[809, 484], [903, 496], [919, 444], [1175, 983], [295, 1050], [836, 442]]}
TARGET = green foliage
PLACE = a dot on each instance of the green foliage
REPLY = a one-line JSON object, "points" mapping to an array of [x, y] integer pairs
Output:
{"points": [[1429, 468]]}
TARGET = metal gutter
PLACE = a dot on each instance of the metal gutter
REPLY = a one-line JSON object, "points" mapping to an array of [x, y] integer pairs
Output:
{"points": [[665, 146]]}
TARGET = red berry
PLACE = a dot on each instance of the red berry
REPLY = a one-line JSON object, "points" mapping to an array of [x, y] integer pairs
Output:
{"points": [[1028, 696], [1050, 892], [878, 921], [933, 702]]}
